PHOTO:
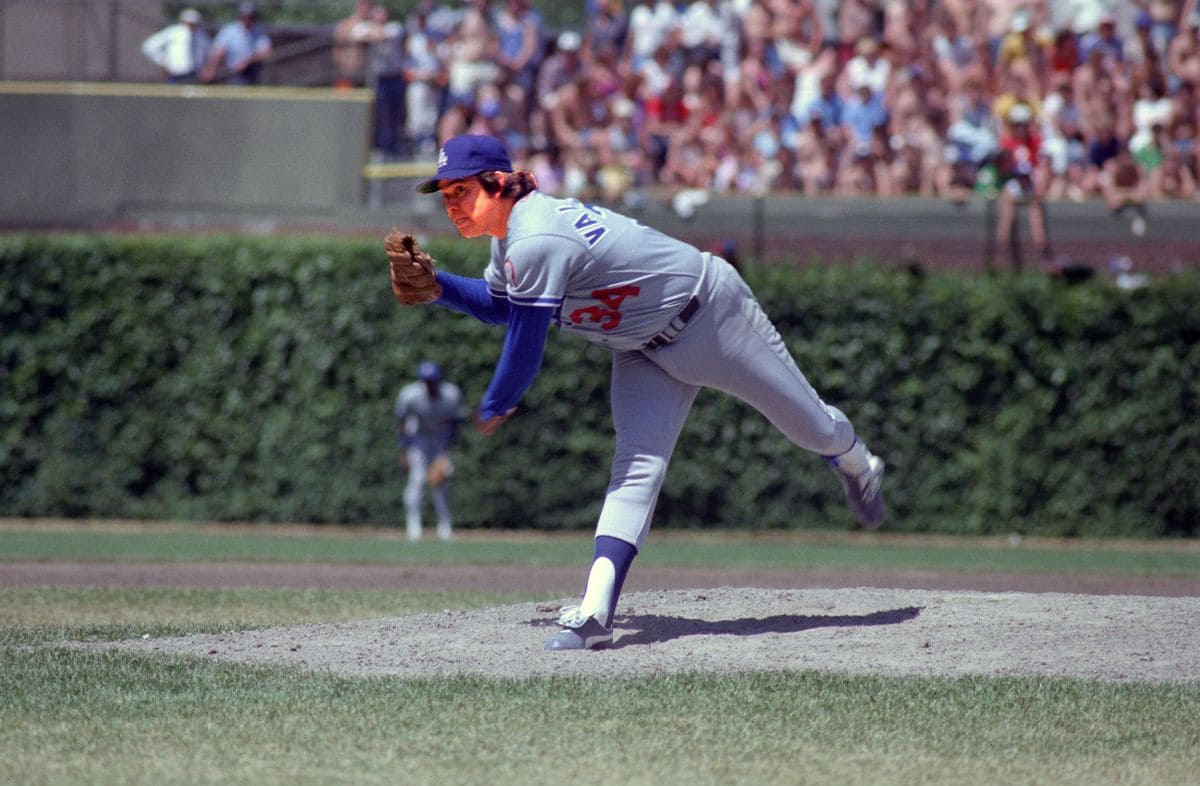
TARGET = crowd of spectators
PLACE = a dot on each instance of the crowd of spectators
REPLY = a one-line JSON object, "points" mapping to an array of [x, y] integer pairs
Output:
{"points": [[1075, 99]]}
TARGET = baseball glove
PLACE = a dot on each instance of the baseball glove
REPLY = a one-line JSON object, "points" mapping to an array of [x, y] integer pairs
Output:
{"points": [[440, 470], [414, 281]]}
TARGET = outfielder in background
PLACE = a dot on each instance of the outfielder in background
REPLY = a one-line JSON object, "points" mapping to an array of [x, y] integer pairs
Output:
{"points": [[675, 319], [428, 413]]}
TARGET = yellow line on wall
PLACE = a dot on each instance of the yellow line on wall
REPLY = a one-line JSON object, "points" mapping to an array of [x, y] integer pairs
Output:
{"points": [[402, 169], [140, 90]]}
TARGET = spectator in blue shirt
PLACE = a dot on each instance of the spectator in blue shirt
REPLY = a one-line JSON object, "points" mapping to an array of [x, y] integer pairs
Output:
{"points": [[520, 34], [240, 48], [1104, 38], [1104, 146], [863, 114], [829, 104]]}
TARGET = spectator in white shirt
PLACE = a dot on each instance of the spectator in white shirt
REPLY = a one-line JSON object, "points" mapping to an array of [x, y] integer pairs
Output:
{"points": [[181, 49], [868, 68], [702, 27], [650, 22]]}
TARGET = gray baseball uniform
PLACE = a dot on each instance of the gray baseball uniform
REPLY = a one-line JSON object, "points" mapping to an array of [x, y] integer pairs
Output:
{"points": [[676, 320], [427, 426]]}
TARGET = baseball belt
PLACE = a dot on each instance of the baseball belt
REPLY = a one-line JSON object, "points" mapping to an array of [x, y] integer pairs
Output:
{"points": [[675, 327]]}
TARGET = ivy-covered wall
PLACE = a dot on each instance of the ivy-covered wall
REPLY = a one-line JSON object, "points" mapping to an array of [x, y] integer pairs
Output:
{"points": [[216, 378]]}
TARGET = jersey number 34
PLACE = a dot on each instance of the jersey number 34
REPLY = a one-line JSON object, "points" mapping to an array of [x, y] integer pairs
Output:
{"points": [[608, 315]]}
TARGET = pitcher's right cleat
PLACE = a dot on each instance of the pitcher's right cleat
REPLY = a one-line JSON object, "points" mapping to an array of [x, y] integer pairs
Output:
{"points": [[579, 632], [863, 493]]}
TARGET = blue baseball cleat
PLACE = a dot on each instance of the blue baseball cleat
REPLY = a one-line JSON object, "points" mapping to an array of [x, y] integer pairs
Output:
{"points": [[863, 493], [579, 632]]}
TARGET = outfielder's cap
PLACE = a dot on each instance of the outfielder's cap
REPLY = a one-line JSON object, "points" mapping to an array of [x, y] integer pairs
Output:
{"points": [[466, 156], [428, 371]]}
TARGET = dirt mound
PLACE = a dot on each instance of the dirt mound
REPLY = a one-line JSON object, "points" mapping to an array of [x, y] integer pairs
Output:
{"points": [[850, 630]]}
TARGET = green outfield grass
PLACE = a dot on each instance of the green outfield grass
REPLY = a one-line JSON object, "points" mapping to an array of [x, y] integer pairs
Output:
{"points": [[205, 543], [72, 716], [76, 717]]}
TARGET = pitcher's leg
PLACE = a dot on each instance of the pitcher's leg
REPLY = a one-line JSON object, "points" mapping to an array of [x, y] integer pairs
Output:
{"points": [[767, 378], [773, 384], [649, 409], [590, 624], [735, 348]]}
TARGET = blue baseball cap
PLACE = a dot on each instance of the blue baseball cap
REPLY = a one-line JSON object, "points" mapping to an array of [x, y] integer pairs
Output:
{"points": [[467, 156], [428, 371]]}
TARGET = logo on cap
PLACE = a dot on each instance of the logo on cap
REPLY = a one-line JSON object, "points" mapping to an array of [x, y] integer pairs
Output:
{"points": [[466, 156]]}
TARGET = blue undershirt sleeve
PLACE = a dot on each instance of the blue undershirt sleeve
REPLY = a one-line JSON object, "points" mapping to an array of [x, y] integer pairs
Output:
{"points": [[520, 360], [471, 296]]}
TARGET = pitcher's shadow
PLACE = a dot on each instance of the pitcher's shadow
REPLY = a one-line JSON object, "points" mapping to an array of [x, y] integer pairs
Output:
{"points": [[657, 628]]}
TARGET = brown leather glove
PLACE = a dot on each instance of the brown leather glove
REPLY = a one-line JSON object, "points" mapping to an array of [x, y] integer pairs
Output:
{"points": [[439, 471], [414, 280]]}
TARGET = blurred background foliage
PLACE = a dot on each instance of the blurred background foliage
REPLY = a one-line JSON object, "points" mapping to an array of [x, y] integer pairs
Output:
{"points": [[222, 378]]}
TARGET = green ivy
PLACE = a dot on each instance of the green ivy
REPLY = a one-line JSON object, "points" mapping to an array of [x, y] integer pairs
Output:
{"points": [[219, 378]]}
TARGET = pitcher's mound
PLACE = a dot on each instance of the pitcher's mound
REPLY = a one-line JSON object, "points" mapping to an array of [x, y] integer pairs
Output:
{"points": [[723, 630]]}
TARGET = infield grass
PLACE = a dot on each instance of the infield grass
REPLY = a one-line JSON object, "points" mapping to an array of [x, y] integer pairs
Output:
{"points": [[35, 615], [88, 717], [20, 540]]}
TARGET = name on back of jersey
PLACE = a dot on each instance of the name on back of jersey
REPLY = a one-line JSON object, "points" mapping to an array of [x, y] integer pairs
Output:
{"points": [[588, 224]]}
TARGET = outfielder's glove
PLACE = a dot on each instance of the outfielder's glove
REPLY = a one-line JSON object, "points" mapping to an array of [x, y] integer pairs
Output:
{"points": [[439, 471], [414, 281]]}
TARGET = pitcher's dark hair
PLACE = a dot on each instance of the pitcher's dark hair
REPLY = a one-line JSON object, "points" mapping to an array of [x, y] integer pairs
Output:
{"points": [[515, 185]]}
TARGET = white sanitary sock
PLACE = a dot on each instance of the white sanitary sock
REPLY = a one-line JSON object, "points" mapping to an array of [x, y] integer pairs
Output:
{"points": [[598, 597], [854, 461]]}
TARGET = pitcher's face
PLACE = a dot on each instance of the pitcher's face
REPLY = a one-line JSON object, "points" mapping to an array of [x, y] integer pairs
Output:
{"points": [[472, 209]]}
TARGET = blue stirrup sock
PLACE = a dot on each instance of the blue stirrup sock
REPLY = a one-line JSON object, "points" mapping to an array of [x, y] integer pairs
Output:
{"points": [[610, 564]]}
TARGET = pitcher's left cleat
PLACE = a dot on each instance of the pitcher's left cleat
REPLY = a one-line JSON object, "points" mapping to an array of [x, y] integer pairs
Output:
{"points": [[580, 632], [863, 493]]}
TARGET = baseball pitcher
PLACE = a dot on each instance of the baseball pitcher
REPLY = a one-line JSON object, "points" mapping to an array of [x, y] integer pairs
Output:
{"points": [[674, 318]]}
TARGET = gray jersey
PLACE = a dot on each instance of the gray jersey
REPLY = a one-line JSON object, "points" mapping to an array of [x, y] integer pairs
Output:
{"points": [[429, 422], [610, 279]]}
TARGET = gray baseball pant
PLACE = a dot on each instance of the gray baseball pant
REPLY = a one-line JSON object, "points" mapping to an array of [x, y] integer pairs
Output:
{"points": [[729, 345]]}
